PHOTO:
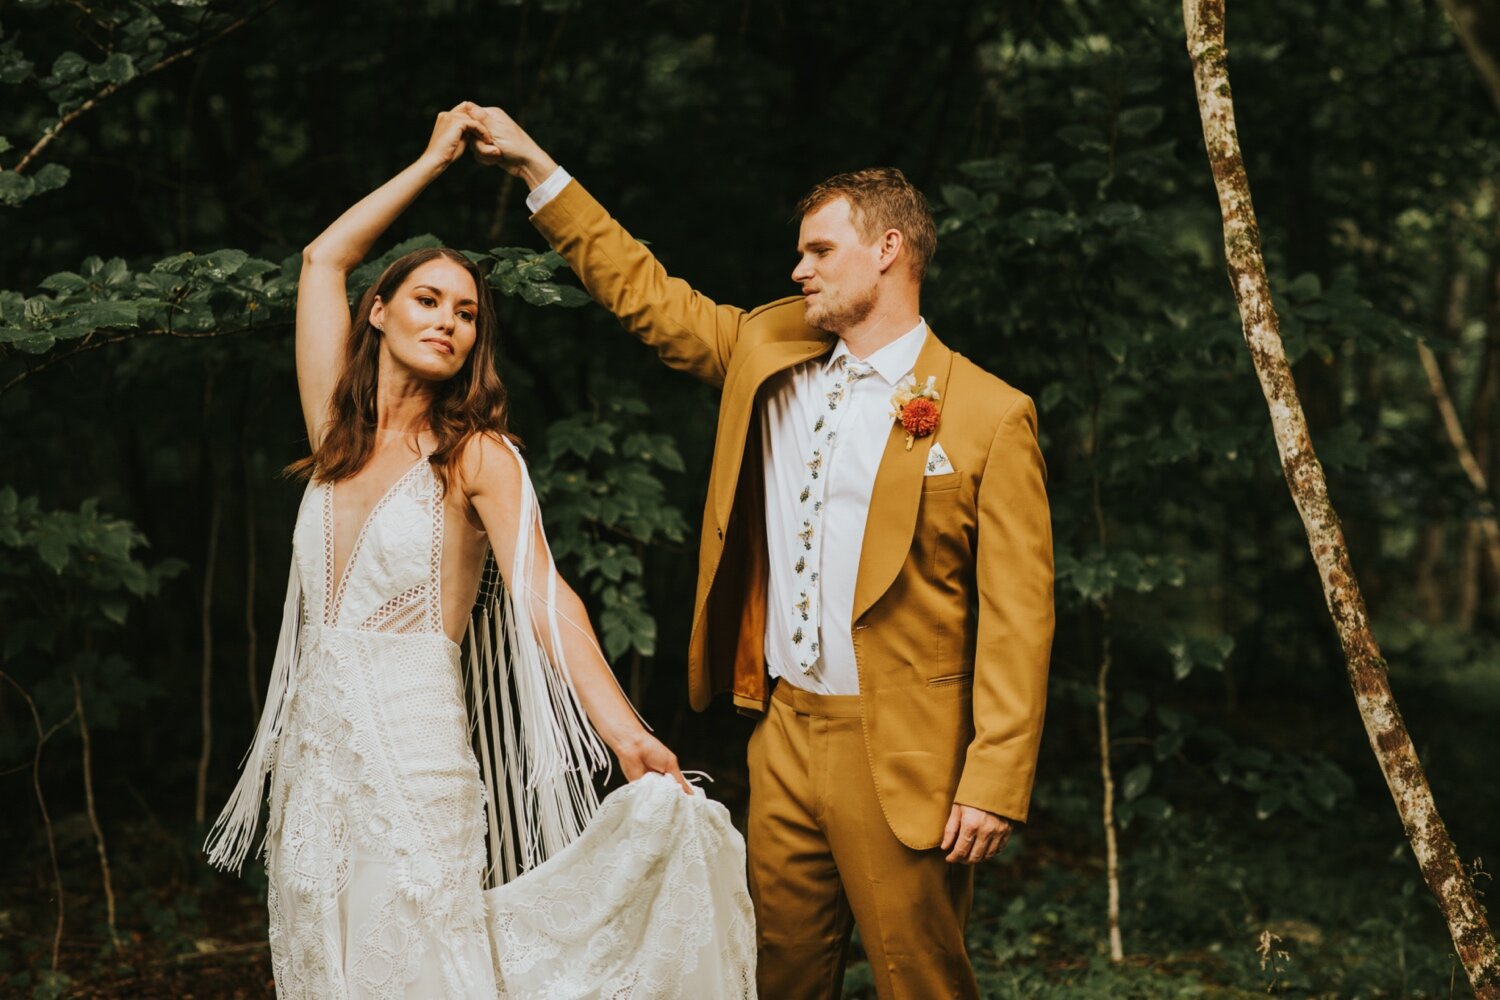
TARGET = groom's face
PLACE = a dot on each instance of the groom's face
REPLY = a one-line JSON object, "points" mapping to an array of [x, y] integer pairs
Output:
{"points": [[837, 270]]}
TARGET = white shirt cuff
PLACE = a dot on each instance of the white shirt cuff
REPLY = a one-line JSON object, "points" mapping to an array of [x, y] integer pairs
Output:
{"points": [[547, 190]]}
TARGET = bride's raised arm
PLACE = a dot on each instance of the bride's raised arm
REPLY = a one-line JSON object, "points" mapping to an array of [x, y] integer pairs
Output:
{"points": [[323, 322]]}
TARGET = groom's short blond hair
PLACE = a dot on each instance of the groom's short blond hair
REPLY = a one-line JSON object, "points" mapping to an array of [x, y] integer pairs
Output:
{"points": [[881, 198]]}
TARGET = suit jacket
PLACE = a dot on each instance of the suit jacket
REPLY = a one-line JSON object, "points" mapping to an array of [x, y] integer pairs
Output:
{"points": [[953, 612]]}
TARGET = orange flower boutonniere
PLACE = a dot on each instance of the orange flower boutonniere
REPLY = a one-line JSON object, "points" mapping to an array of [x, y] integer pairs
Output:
{"points": [[916, 407]]}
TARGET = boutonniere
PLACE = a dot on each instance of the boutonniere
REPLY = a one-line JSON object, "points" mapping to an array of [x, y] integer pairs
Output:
{"points": [[916, 407]]}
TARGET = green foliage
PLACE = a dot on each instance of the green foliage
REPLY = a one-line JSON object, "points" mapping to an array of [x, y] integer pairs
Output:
{"points": [[527, 273], [128, 39], [605, 503], [183, 295], [67, 580]]}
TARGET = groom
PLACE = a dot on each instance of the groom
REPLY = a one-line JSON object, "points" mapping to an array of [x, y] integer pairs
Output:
{"points": [[876, 588]]}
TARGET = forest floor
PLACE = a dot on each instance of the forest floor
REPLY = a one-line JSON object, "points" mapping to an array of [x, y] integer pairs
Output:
{"points": [[1215, 903]]}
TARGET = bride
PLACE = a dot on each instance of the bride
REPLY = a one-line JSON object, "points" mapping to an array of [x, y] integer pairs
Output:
{"points": [[385, 827]]}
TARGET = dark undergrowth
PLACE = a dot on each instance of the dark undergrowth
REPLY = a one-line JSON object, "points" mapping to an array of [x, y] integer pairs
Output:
{"points": [[1215, 902]]}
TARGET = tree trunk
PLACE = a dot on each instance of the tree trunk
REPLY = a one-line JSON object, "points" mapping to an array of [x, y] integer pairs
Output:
{"points": [[1111, 844], [1488, 528], [42, 736], [252, 636], [93, 811], [1445, 874], [206, 618], [1482, 410], [1106, 656], [1477, 24]]}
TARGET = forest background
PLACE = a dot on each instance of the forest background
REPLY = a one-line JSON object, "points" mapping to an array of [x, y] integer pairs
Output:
{"points": [[164, 163]]}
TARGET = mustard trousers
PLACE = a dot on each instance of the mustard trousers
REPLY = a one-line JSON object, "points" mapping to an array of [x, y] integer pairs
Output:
{"points": [[822, 858]]}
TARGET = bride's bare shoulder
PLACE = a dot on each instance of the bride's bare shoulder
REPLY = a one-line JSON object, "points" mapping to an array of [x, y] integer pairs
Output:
{"points": [[489, 467]]}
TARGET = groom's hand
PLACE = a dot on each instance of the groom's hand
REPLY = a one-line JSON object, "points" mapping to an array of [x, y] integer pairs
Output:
{"points": [[512, 148], [973, 835]]}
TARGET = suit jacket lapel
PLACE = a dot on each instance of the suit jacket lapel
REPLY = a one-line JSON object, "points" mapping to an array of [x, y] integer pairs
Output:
{"points": [[760, 363], [898, 490]]}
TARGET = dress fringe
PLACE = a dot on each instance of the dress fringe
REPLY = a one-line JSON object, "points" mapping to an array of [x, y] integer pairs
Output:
{"points": [[229, 840], [538, 750]]}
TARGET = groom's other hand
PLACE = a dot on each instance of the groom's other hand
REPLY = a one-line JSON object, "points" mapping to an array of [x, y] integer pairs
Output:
{"points": [[512, 148], [973, 835]]}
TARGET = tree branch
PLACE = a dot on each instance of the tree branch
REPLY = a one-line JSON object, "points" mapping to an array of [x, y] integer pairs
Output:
{"points": [[118, 337], [110, 90], [1460, 443]]}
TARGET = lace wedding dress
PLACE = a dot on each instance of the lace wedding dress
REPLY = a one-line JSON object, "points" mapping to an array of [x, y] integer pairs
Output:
{"points": [[385, 827]]}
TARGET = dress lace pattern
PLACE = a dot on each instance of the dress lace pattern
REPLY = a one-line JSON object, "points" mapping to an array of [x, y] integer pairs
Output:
{"points": [[376, 842]]}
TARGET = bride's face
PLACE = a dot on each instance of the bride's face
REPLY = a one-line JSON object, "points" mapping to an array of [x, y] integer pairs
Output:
{"points": [[430, 324]]}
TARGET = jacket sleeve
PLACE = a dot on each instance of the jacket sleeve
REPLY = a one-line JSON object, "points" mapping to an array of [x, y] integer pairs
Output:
{"points": [[689, 331], [1014, 642]]}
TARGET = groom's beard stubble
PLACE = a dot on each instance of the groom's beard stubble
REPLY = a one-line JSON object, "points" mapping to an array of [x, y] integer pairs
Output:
{"points": [[837, 315]]}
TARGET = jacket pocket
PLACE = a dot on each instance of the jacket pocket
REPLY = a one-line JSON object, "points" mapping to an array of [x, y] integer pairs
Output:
{"points": [[939, 483], [966, 676]]}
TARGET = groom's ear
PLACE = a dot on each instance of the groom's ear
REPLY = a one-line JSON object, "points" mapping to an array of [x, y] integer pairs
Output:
{"points": [[891, 242]]}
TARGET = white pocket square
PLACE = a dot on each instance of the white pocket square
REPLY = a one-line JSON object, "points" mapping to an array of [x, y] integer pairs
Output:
{"points": [[937, 461]]}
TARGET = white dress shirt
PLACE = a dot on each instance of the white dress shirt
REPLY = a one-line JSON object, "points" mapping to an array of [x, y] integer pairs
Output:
{"points": [[791, 402], [547, 190]]}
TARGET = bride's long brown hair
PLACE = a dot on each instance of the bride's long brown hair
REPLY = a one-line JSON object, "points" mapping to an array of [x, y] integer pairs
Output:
{"points": [[470, 402]]}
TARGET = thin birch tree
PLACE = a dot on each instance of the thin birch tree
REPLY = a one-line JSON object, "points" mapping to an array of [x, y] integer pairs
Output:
{"points": [[1441, 867]]}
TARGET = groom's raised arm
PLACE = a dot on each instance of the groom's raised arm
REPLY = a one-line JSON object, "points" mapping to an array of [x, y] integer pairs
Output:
{"points": [[690, 331]]}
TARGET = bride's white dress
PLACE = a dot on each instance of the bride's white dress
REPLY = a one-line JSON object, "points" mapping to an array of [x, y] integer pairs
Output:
{"points": [[376, 846]]}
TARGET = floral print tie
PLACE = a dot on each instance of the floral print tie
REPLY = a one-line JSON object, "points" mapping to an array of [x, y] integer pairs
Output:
{"points": [[806, 612]]}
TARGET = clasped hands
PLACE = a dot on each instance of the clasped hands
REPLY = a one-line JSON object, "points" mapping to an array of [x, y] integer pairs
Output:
{"points": [[492, 136]]}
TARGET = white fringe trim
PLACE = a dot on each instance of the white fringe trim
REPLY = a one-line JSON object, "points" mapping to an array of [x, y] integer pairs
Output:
{"points": [[538, 750], [229, 840]]}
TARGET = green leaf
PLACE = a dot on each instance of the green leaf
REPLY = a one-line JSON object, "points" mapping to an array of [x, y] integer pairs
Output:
{"points": [[117, 69], [51, 177], [1114, 214], [1082, 137], [220, 264], [53, 552], [13, 67], [115, 609], [64, 283], [960, 199], [1136, 781], [1305, 286], [1153, 807], [65, 67], [15, 188], [1139, 121]]}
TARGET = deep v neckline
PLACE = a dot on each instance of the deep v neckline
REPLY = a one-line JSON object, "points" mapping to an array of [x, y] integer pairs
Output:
{"points": [[335, 598]]}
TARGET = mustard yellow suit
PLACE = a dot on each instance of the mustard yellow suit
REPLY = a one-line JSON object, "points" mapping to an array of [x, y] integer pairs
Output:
{"points": [[952, 621]]}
